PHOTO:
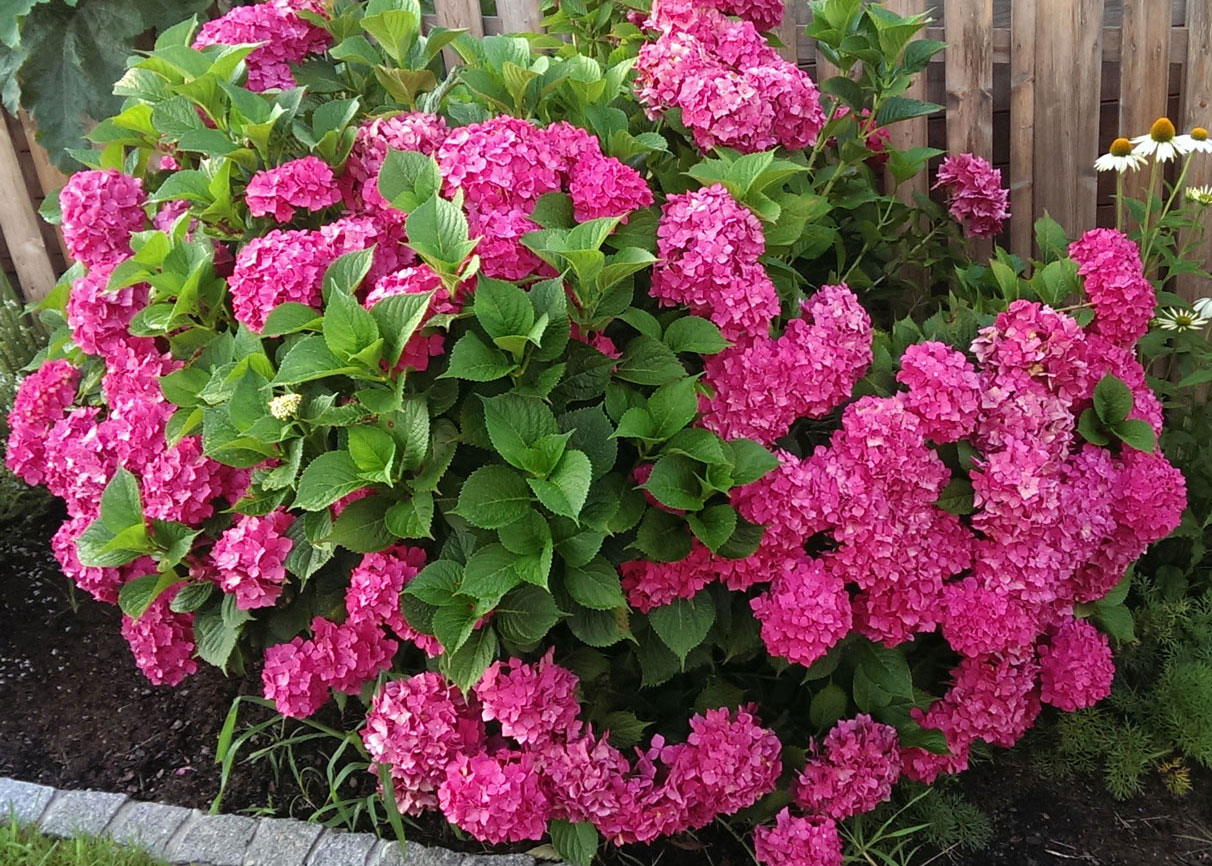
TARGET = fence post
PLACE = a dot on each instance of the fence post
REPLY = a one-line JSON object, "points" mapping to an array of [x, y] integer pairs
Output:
{"points": [[1144, 76], [19, 223], [969, 74], [1022, 126], [1068, 73], [458, 15], [1197, 111], [50, 179]]}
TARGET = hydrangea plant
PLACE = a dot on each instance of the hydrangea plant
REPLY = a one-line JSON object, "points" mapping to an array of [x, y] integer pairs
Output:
{"points": [[564, 408]]}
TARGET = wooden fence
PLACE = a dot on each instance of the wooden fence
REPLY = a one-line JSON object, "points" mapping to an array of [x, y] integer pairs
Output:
{"points": [[1039, 87]]}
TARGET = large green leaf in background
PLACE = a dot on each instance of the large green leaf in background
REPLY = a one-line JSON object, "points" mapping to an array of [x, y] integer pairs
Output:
{"points": [[59, 59]]}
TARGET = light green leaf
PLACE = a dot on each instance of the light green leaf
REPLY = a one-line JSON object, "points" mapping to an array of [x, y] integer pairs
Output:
{"points": [[564, 491], [326, 479], [492, 497]]}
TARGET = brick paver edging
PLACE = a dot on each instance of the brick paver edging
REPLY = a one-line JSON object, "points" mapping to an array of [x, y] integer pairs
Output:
{"points": [[188, 836]]}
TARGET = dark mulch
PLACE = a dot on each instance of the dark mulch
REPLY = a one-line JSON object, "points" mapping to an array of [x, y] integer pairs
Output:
{"points": [[75, 713]]}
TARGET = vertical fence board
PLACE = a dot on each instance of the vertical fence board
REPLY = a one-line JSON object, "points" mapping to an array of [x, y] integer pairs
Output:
{"points": [[969, 77], [519, 16], [19, 222], [1022, 124], [50, 179], [461, 15], [1144, 75], [1197, 111], [1068, 68], [912, 132], [789, 31]]}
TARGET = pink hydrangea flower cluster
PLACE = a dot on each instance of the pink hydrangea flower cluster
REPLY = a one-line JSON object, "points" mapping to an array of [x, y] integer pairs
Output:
{"points": [[284, 37], [853, 771], [764, 385], [732, 88], [250, 559], [545, 763], [798, 841], [1075, 666], [306, 183], [1056, 522], [708, 247], [1115, 283], [418, 279], [505, 164], [101, 209], [765, 14], [162, 642], [297, 676], [416, 131], [374, 591], [975, 195]]}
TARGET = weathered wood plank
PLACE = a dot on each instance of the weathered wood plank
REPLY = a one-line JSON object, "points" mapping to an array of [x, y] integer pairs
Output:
{"points": [[1022, 125], [1068, 65], [50, 179], [460, 15], [912, 132], [19, 223], [519, 16], [969, 77], [789, 31], [1144, 75], [1197, 111]]}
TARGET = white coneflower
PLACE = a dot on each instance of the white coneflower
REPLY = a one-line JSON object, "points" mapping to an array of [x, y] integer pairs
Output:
{"points": [[1175, 319], [1203, 307], [1201, 195], [1161, 142], [1195, 141], [1119, 157], [285, 406]]}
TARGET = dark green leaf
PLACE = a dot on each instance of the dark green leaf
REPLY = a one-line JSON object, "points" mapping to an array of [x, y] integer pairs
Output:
{"points": [[492, 497], [683, 624]]}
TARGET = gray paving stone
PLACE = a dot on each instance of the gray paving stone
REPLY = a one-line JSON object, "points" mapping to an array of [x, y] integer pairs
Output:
{"points": [[501, 860], [388, 854], [216, 840], [148, 825], [280, 842], [342, 849], [80, 813], [24, 801]]}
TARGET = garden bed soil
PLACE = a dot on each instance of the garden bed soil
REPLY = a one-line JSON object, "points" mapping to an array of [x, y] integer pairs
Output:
{"points": [[75, 713]]}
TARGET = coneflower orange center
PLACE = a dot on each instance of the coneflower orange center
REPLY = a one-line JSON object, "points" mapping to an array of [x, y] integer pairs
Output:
{"points": [[1162, 129], [1199, 133], [1121, 147]]}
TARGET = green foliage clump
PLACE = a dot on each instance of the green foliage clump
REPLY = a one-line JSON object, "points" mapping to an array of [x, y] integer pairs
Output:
{"points": [[25, 846]]}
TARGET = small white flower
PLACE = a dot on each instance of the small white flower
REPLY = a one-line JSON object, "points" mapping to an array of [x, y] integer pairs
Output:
{"points": [[1119, 157], [1175, 319], [1201, 195], [1203, 307], [1196, 141], [1161, 142], [286, 406]]}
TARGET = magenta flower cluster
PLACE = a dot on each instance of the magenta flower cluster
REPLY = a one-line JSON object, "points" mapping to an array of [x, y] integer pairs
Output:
{"points": [[282, 35], [306, 183], [514, 754], [974, 194], [732, 88], [1115, 282]]}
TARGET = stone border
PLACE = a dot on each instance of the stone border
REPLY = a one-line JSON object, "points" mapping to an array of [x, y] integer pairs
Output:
{"points": [[188, 836]]}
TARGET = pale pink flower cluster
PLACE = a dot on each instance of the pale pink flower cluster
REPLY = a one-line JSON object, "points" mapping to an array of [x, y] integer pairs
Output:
{"points": [[975, 195], [1075, 666], [101, 210], [547, 764], [731, 87], [306, 183], [1115, 283], [283, 37], [297, 676], [374, 591], [162, 642], [250, 559]]}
